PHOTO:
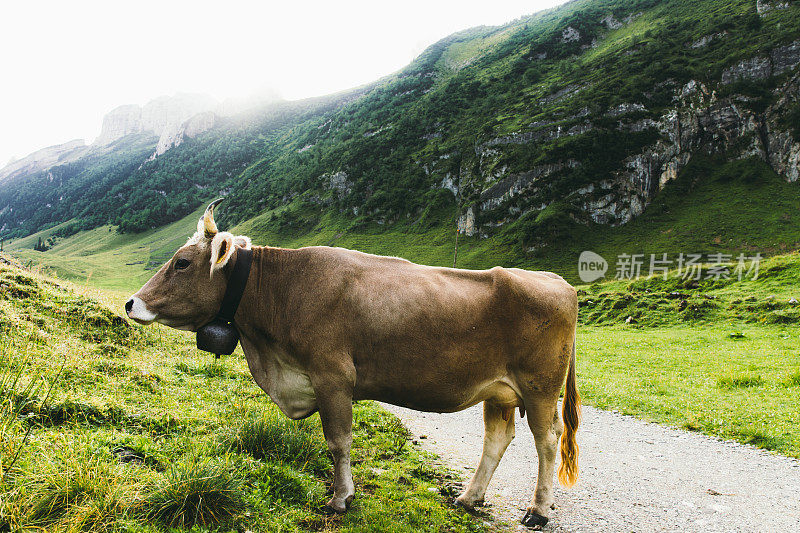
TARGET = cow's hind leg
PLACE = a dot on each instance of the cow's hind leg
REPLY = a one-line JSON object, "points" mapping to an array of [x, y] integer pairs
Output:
{"points": [[546, 427], [499, 431]]}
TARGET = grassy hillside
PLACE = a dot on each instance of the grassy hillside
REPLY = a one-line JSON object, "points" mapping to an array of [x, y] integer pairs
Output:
{"points": [[714, 207], [104, 257], [108, 426], [718, 356]]}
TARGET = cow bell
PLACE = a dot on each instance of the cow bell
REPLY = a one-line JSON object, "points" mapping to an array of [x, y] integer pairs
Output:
{"points": [[217, 337]]}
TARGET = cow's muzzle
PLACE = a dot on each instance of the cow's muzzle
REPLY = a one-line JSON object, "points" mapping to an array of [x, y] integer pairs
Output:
{"points": [[137, 310]]}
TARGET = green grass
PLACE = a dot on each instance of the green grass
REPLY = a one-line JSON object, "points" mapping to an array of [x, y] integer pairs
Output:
{"points": [[739, 381], [195, 493], [269, 435], [698, 378], [105, 258], [141, 432]]}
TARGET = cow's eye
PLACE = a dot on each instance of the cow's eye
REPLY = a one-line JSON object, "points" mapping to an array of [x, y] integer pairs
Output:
{"points": [[182, 263]]}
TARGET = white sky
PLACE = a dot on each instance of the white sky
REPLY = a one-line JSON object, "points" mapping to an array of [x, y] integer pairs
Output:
{"points": [[63, 65]]}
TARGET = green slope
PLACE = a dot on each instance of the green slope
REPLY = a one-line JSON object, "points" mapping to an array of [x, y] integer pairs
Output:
{"points": [[110, 426], [716, 207], [104, 258]]}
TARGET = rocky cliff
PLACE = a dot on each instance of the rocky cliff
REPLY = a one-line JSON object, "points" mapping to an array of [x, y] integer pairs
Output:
{"points": [[119, 122], [44, 158], [175, 118], [175, 135], [164, 116], [714, 118]]}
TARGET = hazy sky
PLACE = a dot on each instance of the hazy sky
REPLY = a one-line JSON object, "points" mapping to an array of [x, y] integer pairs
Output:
{"points": [[63, 65]]}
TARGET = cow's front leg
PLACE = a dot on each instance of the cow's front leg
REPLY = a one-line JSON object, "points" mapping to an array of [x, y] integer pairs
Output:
{"points": [[335, 406]]}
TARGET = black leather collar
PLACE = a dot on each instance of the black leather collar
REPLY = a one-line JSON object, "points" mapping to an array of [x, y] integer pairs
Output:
{"points": [[236, 284]]}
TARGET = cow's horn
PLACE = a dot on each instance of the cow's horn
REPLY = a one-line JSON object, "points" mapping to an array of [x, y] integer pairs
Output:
{"points": [[208, 219]]}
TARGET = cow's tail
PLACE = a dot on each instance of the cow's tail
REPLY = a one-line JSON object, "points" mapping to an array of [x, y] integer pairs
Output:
{"points": [[571, 413]]}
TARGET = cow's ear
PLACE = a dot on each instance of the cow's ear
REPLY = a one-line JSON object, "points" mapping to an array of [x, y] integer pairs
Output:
{"points": [[242, 242], [222, 247]]}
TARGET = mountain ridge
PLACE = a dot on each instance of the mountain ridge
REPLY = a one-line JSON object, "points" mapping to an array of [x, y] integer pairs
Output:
{"points": [[582, 114]]}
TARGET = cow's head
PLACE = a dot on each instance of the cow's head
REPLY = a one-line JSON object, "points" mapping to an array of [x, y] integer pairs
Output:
{"points": [[187, 291]]}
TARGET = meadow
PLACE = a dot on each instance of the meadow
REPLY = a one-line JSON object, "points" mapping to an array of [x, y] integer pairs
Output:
{"points": [[109, 426], [138, 420]]}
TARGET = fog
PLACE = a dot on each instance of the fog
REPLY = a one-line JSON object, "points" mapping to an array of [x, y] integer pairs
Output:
{"points": [[65, 64]]}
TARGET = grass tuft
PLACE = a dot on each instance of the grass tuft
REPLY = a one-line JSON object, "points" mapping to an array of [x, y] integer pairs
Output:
{"points": [[287, 485], [270, 435], [81, 491], [739, 381], [210, 370], [792, 380], [759, 439], [195, 492]]}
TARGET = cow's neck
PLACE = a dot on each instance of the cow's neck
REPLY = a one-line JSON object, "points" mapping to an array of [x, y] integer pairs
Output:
{"points": [[263, 321], [264, 302]]}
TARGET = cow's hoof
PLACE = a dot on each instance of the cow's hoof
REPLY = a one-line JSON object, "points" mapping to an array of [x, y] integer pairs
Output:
{"points": [[534, 520], [467, 504], [338, 505]]}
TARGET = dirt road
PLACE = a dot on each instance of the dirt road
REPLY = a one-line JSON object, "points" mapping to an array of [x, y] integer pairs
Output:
{"points": [[634, 476]]}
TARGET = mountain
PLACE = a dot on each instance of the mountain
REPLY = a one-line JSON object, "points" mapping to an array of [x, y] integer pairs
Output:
{"points": [[577, 119], [44, 158], [173, 118]]}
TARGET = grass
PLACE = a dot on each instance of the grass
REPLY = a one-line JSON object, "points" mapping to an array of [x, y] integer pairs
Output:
{"points": [[268, 435], [80, 490], [105, 258], [195, 493], [792, 380], [739, 381], [717, 356], [141, 432], [698, 378]]}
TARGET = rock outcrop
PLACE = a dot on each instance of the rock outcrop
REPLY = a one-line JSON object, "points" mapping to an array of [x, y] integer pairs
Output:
{"points": [[119, 122], [172, 136], [337, 182], [699, 121], [171, 118], [466, 223], [708, 124], [779, 60], [44, 159], [765, 6]]}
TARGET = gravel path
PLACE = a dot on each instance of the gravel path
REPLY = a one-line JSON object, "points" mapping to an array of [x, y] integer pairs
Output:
{"points": [[634, 476]]}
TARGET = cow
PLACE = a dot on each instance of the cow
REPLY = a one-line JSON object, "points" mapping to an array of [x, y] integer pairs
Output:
{"points": [[322, 327]]}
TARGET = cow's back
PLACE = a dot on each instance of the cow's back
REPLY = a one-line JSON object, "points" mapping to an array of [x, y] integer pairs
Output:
{"points": [[431, 337]]}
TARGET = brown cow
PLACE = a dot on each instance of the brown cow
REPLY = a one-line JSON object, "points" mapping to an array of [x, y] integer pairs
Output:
{"points": [[321, 327]]}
